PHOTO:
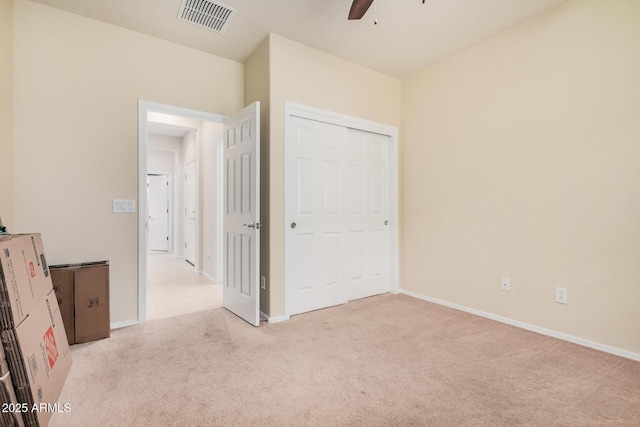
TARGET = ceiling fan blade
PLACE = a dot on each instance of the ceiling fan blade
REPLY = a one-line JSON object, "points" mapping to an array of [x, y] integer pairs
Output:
{"points": [[359, 8]]}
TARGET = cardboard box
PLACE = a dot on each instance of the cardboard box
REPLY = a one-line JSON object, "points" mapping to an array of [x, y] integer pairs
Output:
{"points": [[62, 279], [39, 360], [4, 368], [11, 416], [87, 286], [24, 277], [92, 302]]}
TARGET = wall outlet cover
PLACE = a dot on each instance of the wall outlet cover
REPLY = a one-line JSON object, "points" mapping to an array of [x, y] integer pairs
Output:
{"points": [[561, 295]]}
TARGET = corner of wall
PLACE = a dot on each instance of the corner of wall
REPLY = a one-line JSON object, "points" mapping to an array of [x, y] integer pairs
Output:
{"points": [[6, 112]]}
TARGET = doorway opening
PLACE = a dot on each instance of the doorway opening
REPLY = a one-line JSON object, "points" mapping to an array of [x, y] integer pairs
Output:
{"points": [[180, 216]]}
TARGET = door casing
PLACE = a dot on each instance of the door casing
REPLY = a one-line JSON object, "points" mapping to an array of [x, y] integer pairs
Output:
{"points": [[190, 213]]}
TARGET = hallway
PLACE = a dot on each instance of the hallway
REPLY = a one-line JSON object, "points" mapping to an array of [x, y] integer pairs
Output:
{"points": [[175, 288]]}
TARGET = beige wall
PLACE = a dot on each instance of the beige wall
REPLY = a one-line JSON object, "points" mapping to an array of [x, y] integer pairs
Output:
{"points": [[307, 76], [77, 85], [256, 88], [521, 159], [6, 112]]}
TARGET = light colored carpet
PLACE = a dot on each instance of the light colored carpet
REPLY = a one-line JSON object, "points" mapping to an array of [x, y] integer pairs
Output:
{"points": [[174, 288], [389, 360]]}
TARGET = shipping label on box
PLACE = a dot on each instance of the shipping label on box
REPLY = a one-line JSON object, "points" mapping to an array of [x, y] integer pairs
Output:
{"points": [[24, 277]]}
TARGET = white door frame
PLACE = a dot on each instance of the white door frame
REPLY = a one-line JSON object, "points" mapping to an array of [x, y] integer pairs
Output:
{"points": [[292, 109], [191, 238], [144, 107]]}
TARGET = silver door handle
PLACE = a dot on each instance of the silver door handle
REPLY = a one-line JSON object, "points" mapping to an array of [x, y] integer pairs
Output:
{"points": [[256, 225], [293, 225]]}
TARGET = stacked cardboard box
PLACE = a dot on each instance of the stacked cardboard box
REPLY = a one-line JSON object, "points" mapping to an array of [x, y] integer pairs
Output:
{"points": [[31, 328], [83, 297], [10, 415]]}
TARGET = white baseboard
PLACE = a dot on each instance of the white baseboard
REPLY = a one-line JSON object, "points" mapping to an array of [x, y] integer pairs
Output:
{"points": [[555, 334], [118, 325], [210, 277], [273, 319]]}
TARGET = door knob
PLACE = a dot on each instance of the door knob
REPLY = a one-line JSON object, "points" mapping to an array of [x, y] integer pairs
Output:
{"points": [[293, 225], [386, 222], [256, 225]]}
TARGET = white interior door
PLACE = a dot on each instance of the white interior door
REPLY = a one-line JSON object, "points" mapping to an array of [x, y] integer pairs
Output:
{"points": [[336, 208], [367, 213], [158, 203], [316, 233], [241, 214], [190, 213]]}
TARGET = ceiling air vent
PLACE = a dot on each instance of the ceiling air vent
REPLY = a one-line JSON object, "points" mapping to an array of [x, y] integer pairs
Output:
{"points": [[208, 14]]}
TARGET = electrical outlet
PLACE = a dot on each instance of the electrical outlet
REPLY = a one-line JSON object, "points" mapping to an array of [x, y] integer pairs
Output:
{"points": [[505, 284], [561, 295], [263, 283]]}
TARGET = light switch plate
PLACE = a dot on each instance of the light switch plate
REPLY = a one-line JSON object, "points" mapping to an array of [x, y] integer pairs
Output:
{"points": [[124, 206]]}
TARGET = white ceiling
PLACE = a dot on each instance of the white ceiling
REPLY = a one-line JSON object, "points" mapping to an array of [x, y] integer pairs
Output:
{"points": [[409, 35]]}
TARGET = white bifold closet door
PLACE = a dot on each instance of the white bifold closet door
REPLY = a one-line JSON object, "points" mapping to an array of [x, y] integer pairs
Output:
{"points": [[336, 209]]}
